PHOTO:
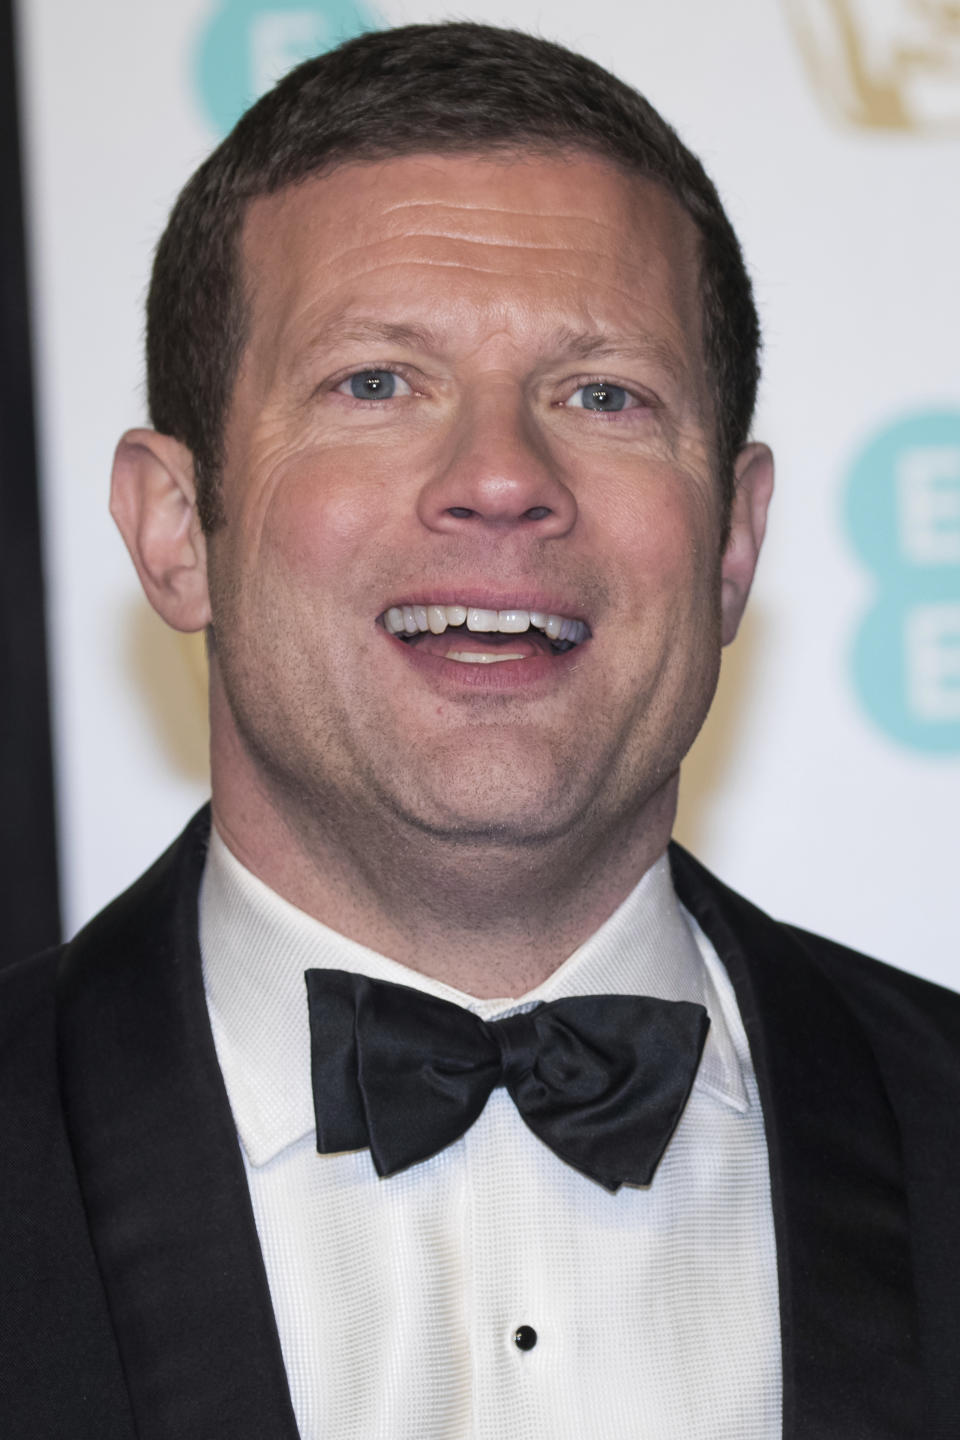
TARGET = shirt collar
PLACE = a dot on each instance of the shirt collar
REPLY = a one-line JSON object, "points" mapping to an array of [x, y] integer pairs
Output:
{"points": [[255, 947]]}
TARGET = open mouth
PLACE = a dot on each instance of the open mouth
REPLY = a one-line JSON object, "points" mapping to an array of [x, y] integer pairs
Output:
{"points": [[476, 636]]}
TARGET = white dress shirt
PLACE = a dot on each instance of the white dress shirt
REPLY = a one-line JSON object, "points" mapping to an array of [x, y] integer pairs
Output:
{"points": [[397, 1301]]}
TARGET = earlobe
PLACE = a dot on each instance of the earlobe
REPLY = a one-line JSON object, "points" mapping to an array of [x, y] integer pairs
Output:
{"points": [[748, 523], [153, 501]]}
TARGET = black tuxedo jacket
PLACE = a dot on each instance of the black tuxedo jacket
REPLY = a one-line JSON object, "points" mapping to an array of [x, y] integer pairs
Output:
{"points": [[133, 1300]]}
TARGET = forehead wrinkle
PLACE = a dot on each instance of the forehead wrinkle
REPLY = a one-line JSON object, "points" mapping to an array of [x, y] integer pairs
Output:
{"points": [[618, 279], [449, 204], [498, 242], [338, 324], [624, 270], [424, 262], [621, 260], [637, 258], [547, 219]]}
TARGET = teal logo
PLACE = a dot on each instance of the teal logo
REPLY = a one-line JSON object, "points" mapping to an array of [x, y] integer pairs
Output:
{"points": [[248, 44], [903, 519]]}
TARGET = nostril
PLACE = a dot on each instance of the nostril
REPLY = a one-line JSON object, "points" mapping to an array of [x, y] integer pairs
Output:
{"points": [[459, 512], [537, 512]]}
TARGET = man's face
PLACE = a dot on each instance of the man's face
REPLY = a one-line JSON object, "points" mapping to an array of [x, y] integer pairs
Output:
{"points": [[470, 384]]}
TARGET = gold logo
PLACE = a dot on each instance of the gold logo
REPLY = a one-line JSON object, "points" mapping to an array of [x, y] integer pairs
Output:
{"points": [[884, 64]]}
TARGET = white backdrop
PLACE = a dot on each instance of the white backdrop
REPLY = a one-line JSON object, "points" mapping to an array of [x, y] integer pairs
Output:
{"points": [[826, 784]]}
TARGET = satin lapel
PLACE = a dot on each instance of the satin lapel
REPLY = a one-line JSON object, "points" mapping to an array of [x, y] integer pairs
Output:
{"points": [[160, 1168], [847, 1305]]}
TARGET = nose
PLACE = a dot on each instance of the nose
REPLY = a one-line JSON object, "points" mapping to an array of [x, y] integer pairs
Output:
{"points": [[498, 471]]}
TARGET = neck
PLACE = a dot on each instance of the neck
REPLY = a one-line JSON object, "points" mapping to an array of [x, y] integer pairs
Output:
{"points": [[489, 918]]}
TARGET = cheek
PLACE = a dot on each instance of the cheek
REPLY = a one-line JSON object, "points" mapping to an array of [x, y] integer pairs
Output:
{"points": [[667, 533], [325, 513]]}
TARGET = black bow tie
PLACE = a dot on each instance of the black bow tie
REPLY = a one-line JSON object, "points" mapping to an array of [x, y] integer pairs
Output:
{"points": [[601, 1079]]}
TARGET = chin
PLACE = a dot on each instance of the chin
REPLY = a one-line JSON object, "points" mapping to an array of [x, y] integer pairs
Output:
{"points": [[494, 798]]}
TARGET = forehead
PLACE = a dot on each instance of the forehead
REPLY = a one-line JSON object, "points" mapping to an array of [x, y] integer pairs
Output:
{"points": [[523, 244]]}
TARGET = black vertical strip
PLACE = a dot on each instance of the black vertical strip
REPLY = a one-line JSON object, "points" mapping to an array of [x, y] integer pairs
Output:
{"points": [[29, 897]]}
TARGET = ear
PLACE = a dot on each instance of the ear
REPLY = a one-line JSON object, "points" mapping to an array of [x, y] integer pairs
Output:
{"points": [[748, 521], [153, 501]]}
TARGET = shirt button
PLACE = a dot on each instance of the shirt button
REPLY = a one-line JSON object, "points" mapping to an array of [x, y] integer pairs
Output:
{"points": [[524, 1337]]}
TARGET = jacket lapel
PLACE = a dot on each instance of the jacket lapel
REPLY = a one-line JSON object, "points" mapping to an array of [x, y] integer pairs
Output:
{"points": [[847, 1306], [160, 1168]]}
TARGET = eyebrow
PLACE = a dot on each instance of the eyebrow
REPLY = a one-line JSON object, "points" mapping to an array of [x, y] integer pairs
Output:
{"points": [[373, 332], [585, 345], [580, 345]]}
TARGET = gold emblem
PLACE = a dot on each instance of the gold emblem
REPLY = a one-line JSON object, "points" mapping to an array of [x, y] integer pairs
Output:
{"points": [[884, 64]]}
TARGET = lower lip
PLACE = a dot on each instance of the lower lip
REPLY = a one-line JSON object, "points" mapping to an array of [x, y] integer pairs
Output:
{"points": [[534, 672]]}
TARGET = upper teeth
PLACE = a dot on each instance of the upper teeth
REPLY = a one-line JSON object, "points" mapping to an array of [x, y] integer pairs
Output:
{"points": [[417, 619]]}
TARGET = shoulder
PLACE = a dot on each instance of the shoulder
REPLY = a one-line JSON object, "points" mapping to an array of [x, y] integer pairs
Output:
{"points": [[61, 1374], [27, 1038], [142, 917], [57, 1352], [860, 977], [914, 1023], [32, 990], [859, 973]]}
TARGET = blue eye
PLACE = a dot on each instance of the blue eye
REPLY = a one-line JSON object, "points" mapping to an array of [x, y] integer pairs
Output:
{"points": [[373, 385], [599, 396]]}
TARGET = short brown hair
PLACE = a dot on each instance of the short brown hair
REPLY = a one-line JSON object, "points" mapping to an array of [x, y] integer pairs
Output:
{"points": [[417, 89]]}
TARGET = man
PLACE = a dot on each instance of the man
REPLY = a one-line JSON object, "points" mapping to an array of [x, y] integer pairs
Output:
{"points": [[452, 360]]}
